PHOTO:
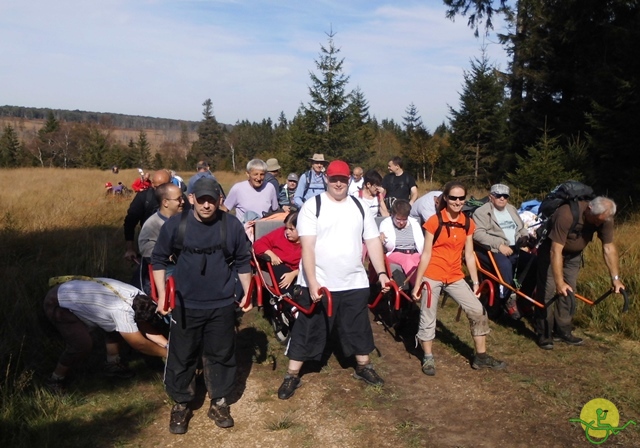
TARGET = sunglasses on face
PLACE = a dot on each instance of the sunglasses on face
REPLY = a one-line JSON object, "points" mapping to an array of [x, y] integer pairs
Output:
{"points": [[500, 196], [456, 198]]}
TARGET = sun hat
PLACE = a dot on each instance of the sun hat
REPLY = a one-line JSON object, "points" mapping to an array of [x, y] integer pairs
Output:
{"points": [[273, 165], [318, 158]]}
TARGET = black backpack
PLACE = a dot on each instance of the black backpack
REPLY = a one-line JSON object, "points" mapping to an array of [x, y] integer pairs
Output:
{"points": [[570, 192]]}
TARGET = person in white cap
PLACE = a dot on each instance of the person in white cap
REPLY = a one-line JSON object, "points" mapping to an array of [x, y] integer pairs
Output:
{"points": [[500, 230], [312, 182]]}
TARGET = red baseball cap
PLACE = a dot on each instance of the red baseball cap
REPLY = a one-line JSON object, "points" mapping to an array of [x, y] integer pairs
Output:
{"points": [[338, 168]]}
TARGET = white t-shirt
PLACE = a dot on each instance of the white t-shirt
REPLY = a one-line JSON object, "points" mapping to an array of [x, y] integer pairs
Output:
{"points": [[507, 224], [339, 237], [354, 186], [97, 305]]}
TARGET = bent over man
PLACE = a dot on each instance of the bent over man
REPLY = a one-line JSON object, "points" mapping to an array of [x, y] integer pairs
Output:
{"points": [[215, 255], [559, 260], [331, 234], [78, 305]]}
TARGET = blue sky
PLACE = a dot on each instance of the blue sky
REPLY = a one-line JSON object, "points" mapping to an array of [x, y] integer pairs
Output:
{"points": [[163, 58]]}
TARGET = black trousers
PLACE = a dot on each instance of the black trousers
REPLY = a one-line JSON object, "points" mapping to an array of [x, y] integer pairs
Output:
{"points": [[212, 331]]}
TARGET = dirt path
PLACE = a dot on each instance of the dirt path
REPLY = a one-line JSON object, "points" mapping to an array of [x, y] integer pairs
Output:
{"points": [[522, 406]]}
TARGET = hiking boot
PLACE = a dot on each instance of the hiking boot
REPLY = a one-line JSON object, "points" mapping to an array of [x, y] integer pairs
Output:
{"points": [[487, 362], [368, 375], [288, 387], [118, 369], [56, 386], [545, 344], [511, 306], [220, 414], [429, 366], [179, 421], [568, 339]]}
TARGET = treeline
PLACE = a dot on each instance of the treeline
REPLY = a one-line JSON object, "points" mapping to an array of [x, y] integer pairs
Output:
{"points": [[567, 107], [98, 118]]}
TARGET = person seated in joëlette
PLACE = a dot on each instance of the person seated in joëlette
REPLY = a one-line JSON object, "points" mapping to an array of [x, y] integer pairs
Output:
{"points": [[282, 245], [403, 239]]}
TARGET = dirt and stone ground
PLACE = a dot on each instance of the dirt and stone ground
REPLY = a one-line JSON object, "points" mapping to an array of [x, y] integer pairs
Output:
{"points": [[528, 404]]}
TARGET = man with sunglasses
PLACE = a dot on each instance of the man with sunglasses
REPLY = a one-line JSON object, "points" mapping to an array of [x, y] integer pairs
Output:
{"points": [[500, 230], [332, 229]]}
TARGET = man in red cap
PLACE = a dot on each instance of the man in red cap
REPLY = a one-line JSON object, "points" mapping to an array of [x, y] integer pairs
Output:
{"points": [[332, 227]]}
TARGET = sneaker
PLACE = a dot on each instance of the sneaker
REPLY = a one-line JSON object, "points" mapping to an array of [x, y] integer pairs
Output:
{"points": [[429, 366], [220, 414], [118, 369], [288, 387], [545, 344], [487, 362], [568, 339], [179, 422], [368, 375], [511, 305]]}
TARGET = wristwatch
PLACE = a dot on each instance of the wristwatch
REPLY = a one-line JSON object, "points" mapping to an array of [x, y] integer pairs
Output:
{"points": [[615, 277]]}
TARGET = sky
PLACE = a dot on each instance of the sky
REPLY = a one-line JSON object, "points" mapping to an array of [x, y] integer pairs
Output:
{"points": [[164, 58]]}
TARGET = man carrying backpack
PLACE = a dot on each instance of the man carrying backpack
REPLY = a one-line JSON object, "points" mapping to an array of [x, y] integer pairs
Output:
{"points": [[214, 255], [559, 259], [312, 182]]}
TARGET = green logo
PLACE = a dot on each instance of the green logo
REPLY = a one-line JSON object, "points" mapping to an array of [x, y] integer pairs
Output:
{"points": [[599, 419]]}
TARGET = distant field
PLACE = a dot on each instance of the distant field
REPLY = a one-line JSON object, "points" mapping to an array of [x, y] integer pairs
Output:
{"points": [[26, 129]]}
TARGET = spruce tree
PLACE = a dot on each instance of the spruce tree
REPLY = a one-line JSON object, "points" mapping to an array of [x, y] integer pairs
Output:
{"points": [[144, 150], [479, 127], [10, 151], [210, 145]]}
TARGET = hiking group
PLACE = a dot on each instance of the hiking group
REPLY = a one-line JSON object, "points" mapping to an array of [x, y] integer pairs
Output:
{"points": [[329, 215]]}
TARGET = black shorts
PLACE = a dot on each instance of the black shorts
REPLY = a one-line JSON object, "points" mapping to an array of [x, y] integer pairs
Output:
{"points": [[350, 315]]}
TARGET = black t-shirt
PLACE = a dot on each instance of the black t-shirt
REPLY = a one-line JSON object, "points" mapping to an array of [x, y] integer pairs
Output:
{"points": [[398, 187]]}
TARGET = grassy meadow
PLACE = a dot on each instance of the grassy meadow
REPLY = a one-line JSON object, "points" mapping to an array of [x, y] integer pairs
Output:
{"points": [[58, 222]]}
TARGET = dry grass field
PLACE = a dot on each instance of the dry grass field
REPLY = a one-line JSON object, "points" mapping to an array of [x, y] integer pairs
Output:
{"points": [[58, 222]]}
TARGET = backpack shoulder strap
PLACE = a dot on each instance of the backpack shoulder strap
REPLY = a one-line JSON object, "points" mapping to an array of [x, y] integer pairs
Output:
{"points": [[439, 229], [178, 244], [318, 204], [307, 180], [359, 206], [223, 237]]}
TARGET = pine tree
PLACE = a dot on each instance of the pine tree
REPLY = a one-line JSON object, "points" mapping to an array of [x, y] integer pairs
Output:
{"points": [[479, 126], [545, 166], [144, 150], [10, 150], [327, 110], [210, 145]]}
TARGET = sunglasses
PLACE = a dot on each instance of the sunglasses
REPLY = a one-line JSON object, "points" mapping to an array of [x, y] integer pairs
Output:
{"points": [[457, 198], [500, 196]]}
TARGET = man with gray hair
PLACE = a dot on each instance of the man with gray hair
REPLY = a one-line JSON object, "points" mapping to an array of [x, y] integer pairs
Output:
{"points": [[559, 260], [253, 197]]}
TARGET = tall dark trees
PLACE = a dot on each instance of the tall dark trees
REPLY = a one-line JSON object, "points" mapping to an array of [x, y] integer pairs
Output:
{"points": [[479, 126]]}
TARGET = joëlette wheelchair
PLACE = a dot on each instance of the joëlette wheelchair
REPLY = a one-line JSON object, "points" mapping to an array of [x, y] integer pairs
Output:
{"points": [[279, 307]]}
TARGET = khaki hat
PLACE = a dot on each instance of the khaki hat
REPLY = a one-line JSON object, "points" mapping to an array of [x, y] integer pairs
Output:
{"points": [[273, 165], [318, 158]]}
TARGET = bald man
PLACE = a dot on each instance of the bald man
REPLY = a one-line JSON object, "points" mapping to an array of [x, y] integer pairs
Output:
{"points": [[356, 181], [144, 205]]}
